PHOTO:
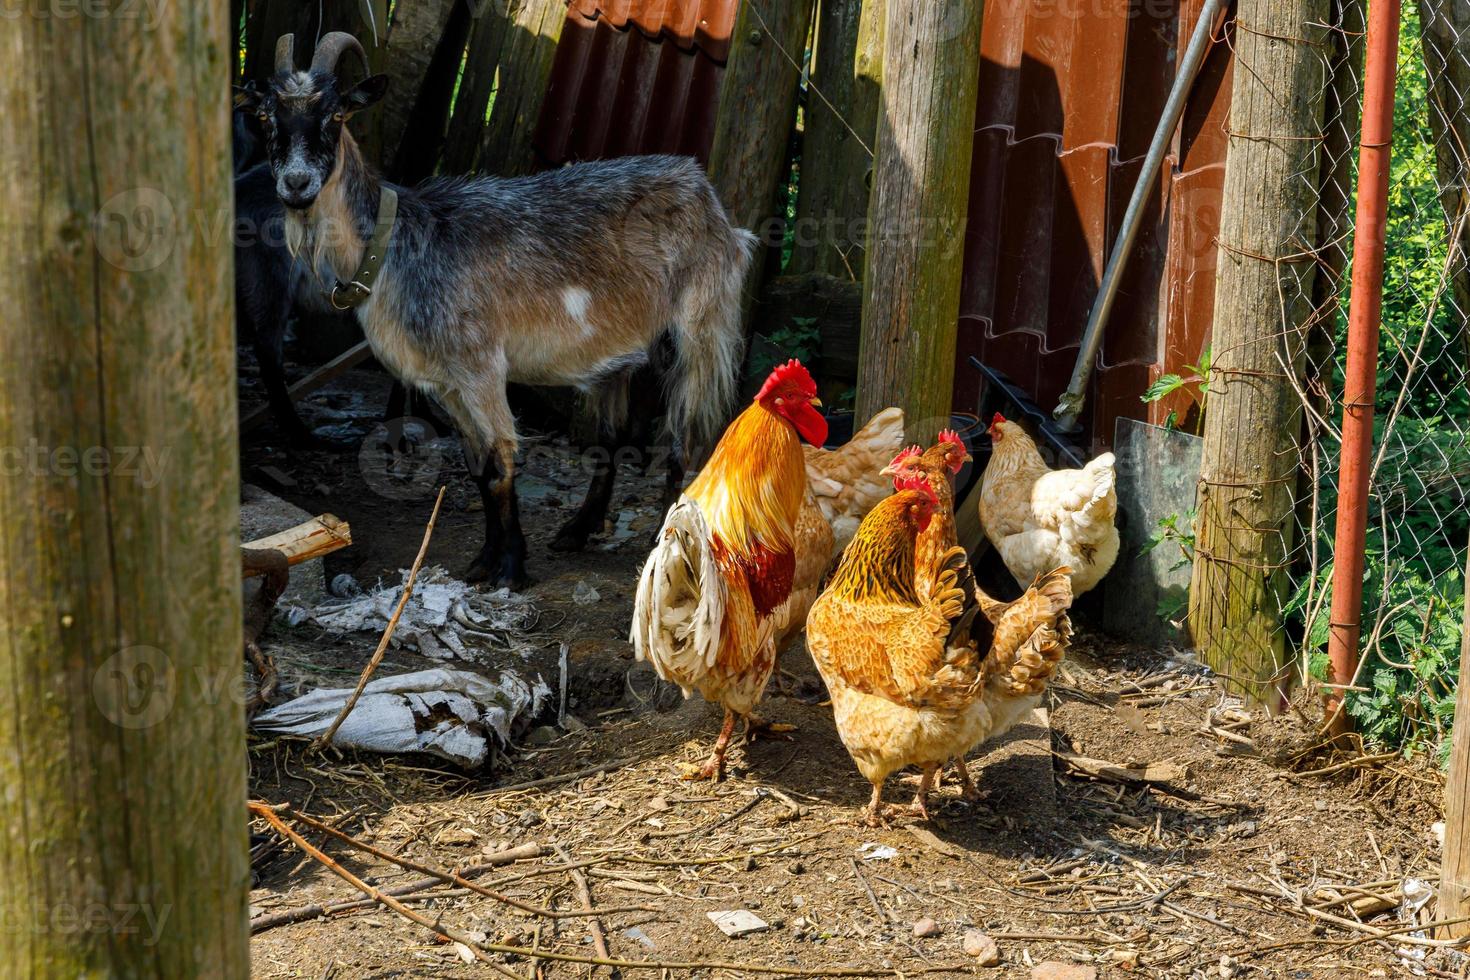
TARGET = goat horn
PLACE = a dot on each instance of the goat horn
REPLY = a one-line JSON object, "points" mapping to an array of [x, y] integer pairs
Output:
{"points": [[286, 54], [330, 49]]}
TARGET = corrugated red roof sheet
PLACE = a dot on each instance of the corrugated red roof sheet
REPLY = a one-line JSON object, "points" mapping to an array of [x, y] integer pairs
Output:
{"points": [[1068, 105], [635, 76]]}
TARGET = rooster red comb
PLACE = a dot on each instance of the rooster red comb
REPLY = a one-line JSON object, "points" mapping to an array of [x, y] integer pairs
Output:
{"points": [[791, 373], [915, 482], [904, 455]]}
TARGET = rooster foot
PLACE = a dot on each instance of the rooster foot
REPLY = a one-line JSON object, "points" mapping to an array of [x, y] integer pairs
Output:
{"points": [[713, 771], [773, 730]]}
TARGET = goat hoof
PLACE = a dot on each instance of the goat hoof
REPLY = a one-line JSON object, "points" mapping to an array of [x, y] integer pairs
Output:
{"points": [[481, 569], [569, 541]]}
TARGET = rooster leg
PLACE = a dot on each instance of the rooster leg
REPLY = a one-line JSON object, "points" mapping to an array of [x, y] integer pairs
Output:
{"points": [[714, 769], [968, 790], [920, 805]]}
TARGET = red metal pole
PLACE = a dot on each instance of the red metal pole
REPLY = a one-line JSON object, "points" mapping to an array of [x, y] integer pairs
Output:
{"points": [[1364, 311]]}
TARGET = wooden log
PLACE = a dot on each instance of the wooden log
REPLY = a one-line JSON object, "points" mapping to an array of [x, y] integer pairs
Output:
{"points": [[921, 180], [122, 849], [837, 148], [526, 56], [750, 155], [1454, 870], [1263, 306], [315, 538]]}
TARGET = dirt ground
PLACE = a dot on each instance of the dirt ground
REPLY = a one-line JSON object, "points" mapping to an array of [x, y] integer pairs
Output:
{"points": [[1223, 851]]}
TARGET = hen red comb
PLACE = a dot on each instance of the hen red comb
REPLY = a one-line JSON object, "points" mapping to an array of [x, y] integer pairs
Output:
{"points": [[914, 482], [792, 372], [953, 438], [999, 418], [905, 454]]}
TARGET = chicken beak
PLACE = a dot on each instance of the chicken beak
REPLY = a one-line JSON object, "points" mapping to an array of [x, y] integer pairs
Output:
{"points": [[817, 403]]}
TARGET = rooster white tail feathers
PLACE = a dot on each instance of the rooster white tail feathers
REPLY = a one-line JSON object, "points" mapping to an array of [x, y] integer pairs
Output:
{"points": [[680, 602]]}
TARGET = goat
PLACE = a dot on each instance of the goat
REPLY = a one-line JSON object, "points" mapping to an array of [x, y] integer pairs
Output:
{"points": [[569, 277]]}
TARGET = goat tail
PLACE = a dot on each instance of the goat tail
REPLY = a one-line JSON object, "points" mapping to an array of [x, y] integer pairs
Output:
{"points": [[709, 344]]}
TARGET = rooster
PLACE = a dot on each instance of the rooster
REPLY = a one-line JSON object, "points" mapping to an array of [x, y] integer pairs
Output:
{"points": [[909, 684], [1039, 518], [843, 485], [716, 587]]}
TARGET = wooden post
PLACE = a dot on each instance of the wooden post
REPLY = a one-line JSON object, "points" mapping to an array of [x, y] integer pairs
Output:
{"points": [[1454, 871], [921, 179], [1263, 308], [757, 111], [122, 823], [847, 72]]}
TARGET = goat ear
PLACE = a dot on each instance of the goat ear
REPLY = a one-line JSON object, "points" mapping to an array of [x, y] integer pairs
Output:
{"points": [[247, 97], [365, 94]]}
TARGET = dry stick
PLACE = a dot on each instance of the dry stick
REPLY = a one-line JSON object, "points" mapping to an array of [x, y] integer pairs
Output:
{"points": [[883, 915], [439, 929], [289, 916], [450, 876], [367, 672], [305, 913], [584, 893]]}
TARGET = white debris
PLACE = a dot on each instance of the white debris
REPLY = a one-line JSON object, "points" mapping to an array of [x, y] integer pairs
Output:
{"points": [[738, 922], [585, 594], [873, 851], [449, 713], [445, 618]]}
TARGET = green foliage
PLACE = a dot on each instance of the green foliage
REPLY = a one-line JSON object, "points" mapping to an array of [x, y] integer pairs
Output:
{"points": [[1195, 382]]}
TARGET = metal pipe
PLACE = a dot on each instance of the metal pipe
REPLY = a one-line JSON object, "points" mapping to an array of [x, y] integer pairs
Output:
{"points": [[1070, 405], [1365, 307]]}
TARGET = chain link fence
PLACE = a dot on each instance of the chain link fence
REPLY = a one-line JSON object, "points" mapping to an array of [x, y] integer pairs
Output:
{"points": [[1418, 525]]}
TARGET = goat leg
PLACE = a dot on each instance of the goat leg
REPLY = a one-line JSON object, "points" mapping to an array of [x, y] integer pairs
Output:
{"points": [[591, 516], [488, 560]]}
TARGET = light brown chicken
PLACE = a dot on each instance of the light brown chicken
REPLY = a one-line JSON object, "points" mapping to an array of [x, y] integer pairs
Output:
{"points": [[843, 485], [1039, 518], [909, 685]]}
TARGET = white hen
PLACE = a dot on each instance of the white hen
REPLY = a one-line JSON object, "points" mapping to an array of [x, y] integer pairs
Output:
{"points": [[1040, 519]]}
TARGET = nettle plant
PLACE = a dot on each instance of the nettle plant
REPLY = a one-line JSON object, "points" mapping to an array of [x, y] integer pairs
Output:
{"points": [[1194, 381]]}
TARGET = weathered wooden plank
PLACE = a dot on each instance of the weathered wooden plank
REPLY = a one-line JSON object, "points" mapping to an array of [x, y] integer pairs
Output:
{"points": [[122, 838], [525, 66]]}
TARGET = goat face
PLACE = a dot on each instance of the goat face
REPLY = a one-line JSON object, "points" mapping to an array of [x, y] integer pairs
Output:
{"points": [[302, 113]]}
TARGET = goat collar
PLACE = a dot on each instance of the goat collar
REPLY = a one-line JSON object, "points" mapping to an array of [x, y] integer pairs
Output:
{"points": [[345, 296]]}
